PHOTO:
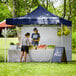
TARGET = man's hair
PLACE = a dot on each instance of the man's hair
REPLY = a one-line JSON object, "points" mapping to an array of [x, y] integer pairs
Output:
{"points": [[27, 34]]}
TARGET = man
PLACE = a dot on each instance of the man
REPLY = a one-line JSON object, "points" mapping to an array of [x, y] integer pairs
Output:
{"points": [[25, 46]]}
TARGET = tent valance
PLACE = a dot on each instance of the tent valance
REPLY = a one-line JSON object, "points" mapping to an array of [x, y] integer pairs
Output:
{"points": [[38, 16]]}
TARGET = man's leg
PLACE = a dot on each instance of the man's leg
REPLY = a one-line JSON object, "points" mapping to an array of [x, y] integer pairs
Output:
{"points": [[25, 55], [22, 53]]}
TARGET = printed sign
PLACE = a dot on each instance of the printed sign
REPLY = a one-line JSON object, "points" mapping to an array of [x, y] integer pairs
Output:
{"points": [[59, 55]]}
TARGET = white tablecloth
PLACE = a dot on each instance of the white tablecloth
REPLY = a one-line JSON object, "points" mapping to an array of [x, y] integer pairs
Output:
{"points": [[42, 55]]}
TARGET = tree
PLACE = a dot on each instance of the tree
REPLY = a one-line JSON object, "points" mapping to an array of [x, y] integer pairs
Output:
{"points": [[4, 11], [17, 8], [64, 14]]}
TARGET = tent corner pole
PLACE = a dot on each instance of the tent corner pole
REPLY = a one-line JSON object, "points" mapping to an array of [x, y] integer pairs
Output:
{"points": [[61, 35], [5, 43]]}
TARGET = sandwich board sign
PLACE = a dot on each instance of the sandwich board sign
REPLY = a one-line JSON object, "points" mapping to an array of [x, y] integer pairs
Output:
{"points": [[59, 55]]}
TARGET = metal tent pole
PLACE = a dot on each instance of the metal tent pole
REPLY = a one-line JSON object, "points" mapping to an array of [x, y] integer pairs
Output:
{"points": [[5, 42], [61, 35]]}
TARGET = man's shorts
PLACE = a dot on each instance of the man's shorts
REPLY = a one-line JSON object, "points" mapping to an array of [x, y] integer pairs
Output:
{"points": [[25, 48]]}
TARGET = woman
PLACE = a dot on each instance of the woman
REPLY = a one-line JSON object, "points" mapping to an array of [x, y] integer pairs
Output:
{"points": [[35, 38]]}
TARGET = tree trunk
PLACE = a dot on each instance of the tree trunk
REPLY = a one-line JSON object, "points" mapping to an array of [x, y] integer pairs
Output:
{"points": [[18, 29], [14, 8], [15, 15], [47, 5], [69, 10], [43, 3], [64, 14]]}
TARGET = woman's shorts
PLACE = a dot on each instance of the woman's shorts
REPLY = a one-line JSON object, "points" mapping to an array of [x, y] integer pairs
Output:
{"points": [[25, 48]]}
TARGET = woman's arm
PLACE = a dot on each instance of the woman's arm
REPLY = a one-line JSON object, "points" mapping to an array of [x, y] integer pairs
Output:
{"points": [[36, 40]]}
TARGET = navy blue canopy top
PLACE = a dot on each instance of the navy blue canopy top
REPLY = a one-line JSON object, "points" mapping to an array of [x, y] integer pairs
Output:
{"points": [[39, 16]]}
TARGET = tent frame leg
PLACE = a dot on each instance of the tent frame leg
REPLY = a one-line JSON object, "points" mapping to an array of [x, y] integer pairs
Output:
{"points": [[5, 43], [61, 35]]}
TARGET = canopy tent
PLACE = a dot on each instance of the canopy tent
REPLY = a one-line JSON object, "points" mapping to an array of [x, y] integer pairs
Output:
{"points": [[38, 16]]}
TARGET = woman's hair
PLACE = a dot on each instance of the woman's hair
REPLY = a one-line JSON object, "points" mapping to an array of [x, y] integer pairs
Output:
{"points": [[27, 34], [35, 29]]}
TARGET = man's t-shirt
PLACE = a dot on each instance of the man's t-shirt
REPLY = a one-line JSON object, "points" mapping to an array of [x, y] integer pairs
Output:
{"points": [[26, 41]]}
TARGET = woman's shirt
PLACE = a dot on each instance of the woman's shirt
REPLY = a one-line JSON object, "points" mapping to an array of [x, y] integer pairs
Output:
{"points": [[35, 36]]}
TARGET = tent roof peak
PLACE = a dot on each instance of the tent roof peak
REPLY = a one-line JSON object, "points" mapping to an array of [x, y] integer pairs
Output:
{"points": [[39, 16]]}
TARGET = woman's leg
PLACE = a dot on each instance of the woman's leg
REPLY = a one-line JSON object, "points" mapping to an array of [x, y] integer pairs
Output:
{"points": [[25, 55], [36, 45], [22, 53]]}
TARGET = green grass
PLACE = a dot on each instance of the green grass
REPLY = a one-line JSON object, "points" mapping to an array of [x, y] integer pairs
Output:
{"points": [[37, 69], [33, 68], [2, 46], [8, 41]]}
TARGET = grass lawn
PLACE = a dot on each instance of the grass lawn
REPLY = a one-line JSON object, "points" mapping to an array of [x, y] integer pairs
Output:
{"points": [[34, 69]]}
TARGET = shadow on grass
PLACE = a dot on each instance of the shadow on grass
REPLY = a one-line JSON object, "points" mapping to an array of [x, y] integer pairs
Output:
{"points": [[69, 62], [1, 59], [72, 62], [73, 51]]}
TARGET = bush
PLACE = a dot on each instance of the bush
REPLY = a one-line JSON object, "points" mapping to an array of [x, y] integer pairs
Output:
{"points": [[9, 32], [12, 43]]}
